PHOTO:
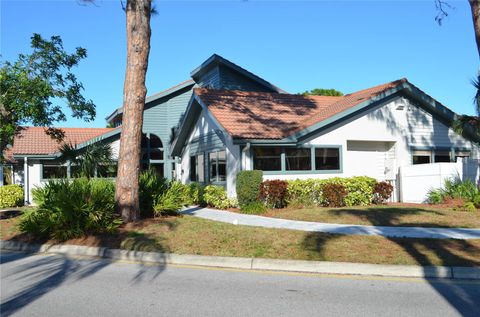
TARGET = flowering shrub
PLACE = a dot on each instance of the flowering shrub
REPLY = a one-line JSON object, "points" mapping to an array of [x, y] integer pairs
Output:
{"points": [[273, 193]]}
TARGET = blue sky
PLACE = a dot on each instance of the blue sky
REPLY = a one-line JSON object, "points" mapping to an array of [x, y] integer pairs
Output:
{"points": [[295, 45]]}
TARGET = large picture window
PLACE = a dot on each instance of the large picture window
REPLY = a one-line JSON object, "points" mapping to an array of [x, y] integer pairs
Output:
{"points": [[54, 171], [217, 166], [327, 159], [267, 158], [298, 159]]}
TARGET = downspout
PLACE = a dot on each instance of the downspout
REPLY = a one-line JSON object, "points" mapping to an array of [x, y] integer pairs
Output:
{"points": [[26, 191], [1, 174], [245, 150]]}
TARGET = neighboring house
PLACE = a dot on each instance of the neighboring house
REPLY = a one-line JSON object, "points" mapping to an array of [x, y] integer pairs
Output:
{"points": [[227, 119]]}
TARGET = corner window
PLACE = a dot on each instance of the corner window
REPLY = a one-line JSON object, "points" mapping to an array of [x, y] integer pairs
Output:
{"points": [[327, 159], [461, 154], [298, 159], [421, 157], [217, 166], [267, 158], [54, 171]]}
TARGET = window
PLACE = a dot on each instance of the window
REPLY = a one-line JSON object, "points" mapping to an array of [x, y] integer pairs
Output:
{"points": [[152, 147], [267, 158], [193, 168], [441, 156], [106, 171], [156, 148], [421, 157], [327, 159], [197, 168], [298, 159], [54, 171], [217, 166], [461, 154]]}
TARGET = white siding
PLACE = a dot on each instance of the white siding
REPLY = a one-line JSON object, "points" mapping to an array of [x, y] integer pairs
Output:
{"points": [[399, 129]]}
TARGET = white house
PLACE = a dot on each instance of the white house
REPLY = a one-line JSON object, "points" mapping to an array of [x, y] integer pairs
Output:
{"points": [[226, 119]]}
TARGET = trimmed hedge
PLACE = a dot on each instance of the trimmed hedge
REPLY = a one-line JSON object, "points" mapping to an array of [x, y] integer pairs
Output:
{"points": [[11, 196], [216, 196], [309, 192], [273, 193], [248, 187]]}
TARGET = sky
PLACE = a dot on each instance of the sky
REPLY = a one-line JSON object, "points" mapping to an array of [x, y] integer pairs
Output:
{"points": [[296, 45]]}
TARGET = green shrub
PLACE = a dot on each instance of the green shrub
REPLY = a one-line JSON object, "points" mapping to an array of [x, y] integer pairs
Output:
{"points": [[273, 193], [382, 191], [304, 192], [11, 196], [254, 208], [435, 196], [455, 188], [359, 190], [151, 186], [196, 193], [469, 206], [72, 208], [173, 199], [248, 186], [216, 196], [334, 194]]}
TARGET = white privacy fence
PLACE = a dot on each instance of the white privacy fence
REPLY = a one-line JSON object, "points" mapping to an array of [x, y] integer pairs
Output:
{"points": [[416, 180]]}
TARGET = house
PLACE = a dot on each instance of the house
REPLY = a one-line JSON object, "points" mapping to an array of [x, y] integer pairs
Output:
{"points": [[226, 119]]}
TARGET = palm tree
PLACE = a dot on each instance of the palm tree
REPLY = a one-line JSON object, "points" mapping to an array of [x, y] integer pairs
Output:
{"points": [[87, 160], [472, 123]]}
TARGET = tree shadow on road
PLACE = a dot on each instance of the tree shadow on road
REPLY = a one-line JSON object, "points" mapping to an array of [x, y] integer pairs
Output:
{"points": [[38, 276], [462, 295]]}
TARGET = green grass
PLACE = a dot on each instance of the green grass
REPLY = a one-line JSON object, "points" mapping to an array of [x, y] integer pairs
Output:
{"points": [[189, 235], [423, 216]]}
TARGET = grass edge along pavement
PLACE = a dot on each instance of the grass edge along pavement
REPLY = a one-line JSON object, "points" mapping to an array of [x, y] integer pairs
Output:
{"points": [[318, 267]]}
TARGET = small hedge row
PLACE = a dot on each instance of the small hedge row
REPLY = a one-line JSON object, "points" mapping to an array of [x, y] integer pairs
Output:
{"points": [[11, 196], [337, 192]]}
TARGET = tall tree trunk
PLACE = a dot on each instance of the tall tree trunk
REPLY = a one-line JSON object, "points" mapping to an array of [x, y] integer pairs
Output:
{"points": [[134, 92], [475, 6]]}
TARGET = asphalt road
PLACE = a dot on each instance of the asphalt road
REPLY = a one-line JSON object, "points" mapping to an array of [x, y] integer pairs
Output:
{"points": [[45, 285]]}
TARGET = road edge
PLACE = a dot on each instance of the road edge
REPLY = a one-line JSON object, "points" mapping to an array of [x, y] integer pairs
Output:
{"points": [[319, 267]]}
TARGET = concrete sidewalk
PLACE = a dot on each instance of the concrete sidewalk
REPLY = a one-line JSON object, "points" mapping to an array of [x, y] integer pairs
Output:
{"points": [[392, 232], [319, 267]]}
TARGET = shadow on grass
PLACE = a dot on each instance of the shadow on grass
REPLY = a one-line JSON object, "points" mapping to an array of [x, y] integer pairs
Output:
{"points": [[385, 216], [41, 275], [464, 297]]}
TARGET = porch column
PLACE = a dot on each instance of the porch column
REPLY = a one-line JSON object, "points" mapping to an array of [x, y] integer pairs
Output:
{"points": [[26, 191], [1, 175]]}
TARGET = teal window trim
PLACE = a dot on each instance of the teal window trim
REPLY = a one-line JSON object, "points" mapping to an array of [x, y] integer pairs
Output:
{"points": [[313, 169], [43, 179], [207, 159]]}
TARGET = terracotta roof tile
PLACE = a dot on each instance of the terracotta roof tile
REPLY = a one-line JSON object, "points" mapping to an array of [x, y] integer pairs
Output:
{"points": [[261, 115], [34, 140]]}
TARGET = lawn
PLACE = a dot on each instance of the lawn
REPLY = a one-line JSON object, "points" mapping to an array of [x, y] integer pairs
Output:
{"points": [[189, 235], [388, 215]]}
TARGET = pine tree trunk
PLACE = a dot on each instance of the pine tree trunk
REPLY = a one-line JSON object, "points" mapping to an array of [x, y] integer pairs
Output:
{"points": [[134, 92], [475, 6]]}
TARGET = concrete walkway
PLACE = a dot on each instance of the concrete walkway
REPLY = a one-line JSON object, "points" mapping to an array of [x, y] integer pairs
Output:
{"points": [[392, 232]]}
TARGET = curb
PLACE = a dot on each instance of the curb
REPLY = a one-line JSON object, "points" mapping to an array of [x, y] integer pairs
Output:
{"points": [[343, 268]]}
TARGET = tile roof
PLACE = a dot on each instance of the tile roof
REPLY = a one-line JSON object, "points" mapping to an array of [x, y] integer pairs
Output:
{"points": [[34, 140], [261, 115]]}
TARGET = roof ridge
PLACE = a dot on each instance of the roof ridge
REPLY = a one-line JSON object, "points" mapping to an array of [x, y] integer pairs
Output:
{"points": [[398, 81]]}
